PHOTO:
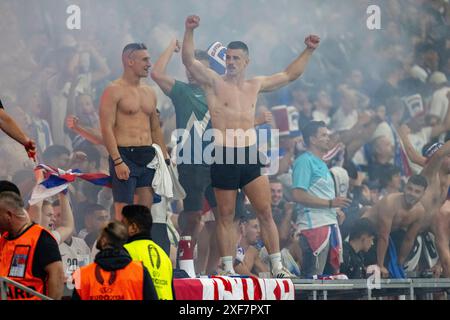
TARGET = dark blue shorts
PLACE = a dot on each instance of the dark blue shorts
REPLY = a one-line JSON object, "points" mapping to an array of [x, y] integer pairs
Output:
{"points": [[136, 158], [236, 171]]}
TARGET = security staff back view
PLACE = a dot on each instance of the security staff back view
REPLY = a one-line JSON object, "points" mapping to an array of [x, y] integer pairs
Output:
{"points": [[138, 220], [113, 275]]}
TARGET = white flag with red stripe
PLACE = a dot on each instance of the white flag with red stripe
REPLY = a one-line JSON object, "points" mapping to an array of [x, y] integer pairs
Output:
{"points": [[230, 288]]}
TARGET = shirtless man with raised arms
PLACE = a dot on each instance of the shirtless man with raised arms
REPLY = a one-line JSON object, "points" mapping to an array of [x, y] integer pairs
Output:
{"points": [[130, 126], [232, 100]]}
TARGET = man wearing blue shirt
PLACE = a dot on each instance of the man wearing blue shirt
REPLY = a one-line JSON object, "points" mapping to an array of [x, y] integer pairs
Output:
{"points": [[313, 187]]}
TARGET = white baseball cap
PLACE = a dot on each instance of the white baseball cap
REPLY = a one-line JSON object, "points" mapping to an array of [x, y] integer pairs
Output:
{"points": [[418, 73], [438, 78]]}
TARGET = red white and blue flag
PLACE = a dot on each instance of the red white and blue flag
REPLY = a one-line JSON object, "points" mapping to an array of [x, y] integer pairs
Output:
{"points": [[319, 238], [55, 180]]}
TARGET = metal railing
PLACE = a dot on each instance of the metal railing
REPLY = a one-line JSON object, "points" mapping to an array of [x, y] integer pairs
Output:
{"points": [[4, 282], [359, 289]]}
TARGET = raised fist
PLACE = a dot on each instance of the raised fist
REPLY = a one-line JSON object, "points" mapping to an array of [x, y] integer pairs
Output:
{"points": [[312, 42], [192, 22]]}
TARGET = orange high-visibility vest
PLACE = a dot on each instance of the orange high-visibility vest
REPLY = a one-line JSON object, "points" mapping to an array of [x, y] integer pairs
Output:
{"points": [[94, 283], [16, 263]]}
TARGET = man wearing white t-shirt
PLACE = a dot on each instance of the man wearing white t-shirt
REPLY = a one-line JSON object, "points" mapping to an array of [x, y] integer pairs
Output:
{"points": [[75, 253]]}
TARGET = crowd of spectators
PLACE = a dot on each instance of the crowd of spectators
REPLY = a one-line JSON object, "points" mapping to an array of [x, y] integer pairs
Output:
{"points": [[383, 95]]}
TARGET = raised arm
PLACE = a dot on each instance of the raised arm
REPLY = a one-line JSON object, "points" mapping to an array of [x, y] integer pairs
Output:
{"points": [[102, 67], [67, 225], [412, 154], [201, 73], [159, 75], [434, 163], [92, 135], [360, 134], [294, 70]]}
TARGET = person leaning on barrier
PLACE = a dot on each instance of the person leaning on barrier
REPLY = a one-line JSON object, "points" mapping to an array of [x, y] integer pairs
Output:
{"points": [[113, 275], [29, 254], [362, 234]]}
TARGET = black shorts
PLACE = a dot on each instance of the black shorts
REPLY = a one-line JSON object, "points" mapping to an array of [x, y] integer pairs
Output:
{"points": [[235, 171], [136, 158], [196, 181]]}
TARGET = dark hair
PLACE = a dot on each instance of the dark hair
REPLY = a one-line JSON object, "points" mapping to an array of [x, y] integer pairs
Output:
{"points": [[53, 152], [388, 174], [131, 47], [372, 184], [351, 169], [361, 227], [9, 186], [310, 130], [140, 215], [201, 55], [274, 179], [116, 234], [236, 45], [419, 180]]}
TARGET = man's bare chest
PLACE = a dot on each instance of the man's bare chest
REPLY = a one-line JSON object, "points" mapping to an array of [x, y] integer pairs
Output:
{"points": [[403, 218], [133, 103], [236, 99]]}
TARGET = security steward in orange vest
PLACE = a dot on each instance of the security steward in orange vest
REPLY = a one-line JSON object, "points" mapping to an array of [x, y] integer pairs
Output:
{"points": [[113, 275], [29, 254]]}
